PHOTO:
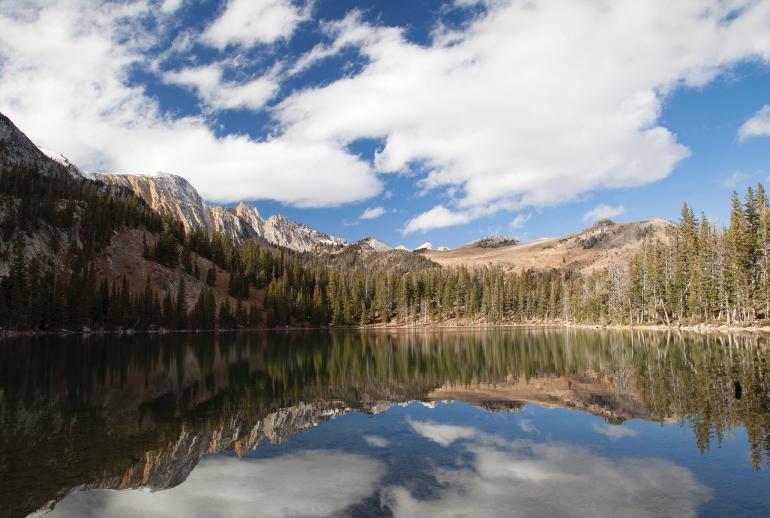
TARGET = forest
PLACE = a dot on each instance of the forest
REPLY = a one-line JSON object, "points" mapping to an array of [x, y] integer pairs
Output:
{"points": [[700, 273]]}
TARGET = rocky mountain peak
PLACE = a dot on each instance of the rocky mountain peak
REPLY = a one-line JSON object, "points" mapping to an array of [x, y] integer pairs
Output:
{"points": [[283, 232], [370, 243], [244, 208], [17, 149], [173, 194]]}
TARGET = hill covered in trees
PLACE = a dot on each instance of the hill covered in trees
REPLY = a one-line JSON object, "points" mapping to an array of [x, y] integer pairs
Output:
{"points": [[77, 253]]}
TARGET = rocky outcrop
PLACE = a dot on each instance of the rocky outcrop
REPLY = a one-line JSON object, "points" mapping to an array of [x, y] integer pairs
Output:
{"points": [[171, 194], [494, 242], [296, 236], [371, 244], [16, 149]]}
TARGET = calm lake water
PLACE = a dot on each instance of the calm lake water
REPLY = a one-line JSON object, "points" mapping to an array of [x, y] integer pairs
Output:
{"points": [[526, 422]]}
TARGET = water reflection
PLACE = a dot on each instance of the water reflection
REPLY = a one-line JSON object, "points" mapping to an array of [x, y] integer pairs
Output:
{"points": [[141, 412], [525, 478]]}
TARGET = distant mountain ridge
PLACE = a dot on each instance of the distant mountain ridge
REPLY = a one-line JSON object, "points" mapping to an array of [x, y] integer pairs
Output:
{"points": [[586, 250], [168, 193]]}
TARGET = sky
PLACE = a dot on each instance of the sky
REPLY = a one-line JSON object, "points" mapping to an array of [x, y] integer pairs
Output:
{"points": [[411, 121]]}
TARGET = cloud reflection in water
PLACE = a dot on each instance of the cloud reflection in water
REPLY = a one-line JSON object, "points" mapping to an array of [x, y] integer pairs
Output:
{"points": [[524, 478], [487, 475]]}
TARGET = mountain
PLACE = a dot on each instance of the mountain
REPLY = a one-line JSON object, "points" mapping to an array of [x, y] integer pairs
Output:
{"points": [[172, 194], [296, 236], [372, 244], [169, 194], [587, 250], [64, 233], [16, 149]]}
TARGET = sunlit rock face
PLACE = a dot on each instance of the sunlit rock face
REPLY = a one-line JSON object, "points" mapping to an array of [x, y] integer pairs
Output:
{"points": [[172, 194]]}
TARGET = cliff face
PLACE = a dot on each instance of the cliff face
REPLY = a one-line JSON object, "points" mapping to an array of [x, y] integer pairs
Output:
{"points": [[18, 150], [171, 194]]}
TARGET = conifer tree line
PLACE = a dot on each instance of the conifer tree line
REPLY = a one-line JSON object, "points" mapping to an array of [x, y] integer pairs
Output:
{"points": [[39, 296], [698, 273]]}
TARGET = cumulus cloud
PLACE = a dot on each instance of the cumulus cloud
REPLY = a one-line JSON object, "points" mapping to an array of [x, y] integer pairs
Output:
{"points": [[756, 126], [437, 217], [246, 22], [534, 103], [603, 211], [169, 6], [524, 478], [372, 213], [296, 484], [345, 33], [206, 81], [529, 104], [87, 109]]}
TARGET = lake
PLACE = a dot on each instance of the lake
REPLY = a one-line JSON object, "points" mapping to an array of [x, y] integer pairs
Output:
{"points": [[504, 422]]}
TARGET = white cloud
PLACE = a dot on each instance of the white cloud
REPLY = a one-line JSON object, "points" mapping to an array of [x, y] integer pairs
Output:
{"points": [[756, 126], [735, 179], [603, 211], [296, 484], [217, 94], [534, 103], [614, 432], [520, 220], [531, 104], [87, 109], [169, 6], [372, 213], [376, 441], [350, 31], [437, 217], [247, 22], [496, 477]]}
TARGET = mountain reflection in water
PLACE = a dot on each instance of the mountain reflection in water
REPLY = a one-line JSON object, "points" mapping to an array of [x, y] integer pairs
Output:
{"points": [[185, 413]]}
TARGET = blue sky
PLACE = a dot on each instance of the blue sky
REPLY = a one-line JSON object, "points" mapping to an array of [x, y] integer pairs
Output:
{"points": [[441, 120]]}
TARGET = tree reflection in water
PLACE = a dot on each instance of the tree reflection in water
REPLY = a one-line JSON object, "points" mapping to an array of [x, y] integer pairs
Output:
{"points": [[103, 411]]}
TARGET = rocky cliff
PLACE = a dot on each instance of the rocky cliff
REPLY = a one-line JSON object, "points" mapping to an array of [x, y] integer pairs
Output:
{"points": [[171, 194]]}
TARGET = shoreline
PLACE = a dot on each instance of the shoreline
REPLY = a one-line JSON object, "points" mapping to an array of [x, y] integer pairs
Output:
{"points": [[703, 329]]}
